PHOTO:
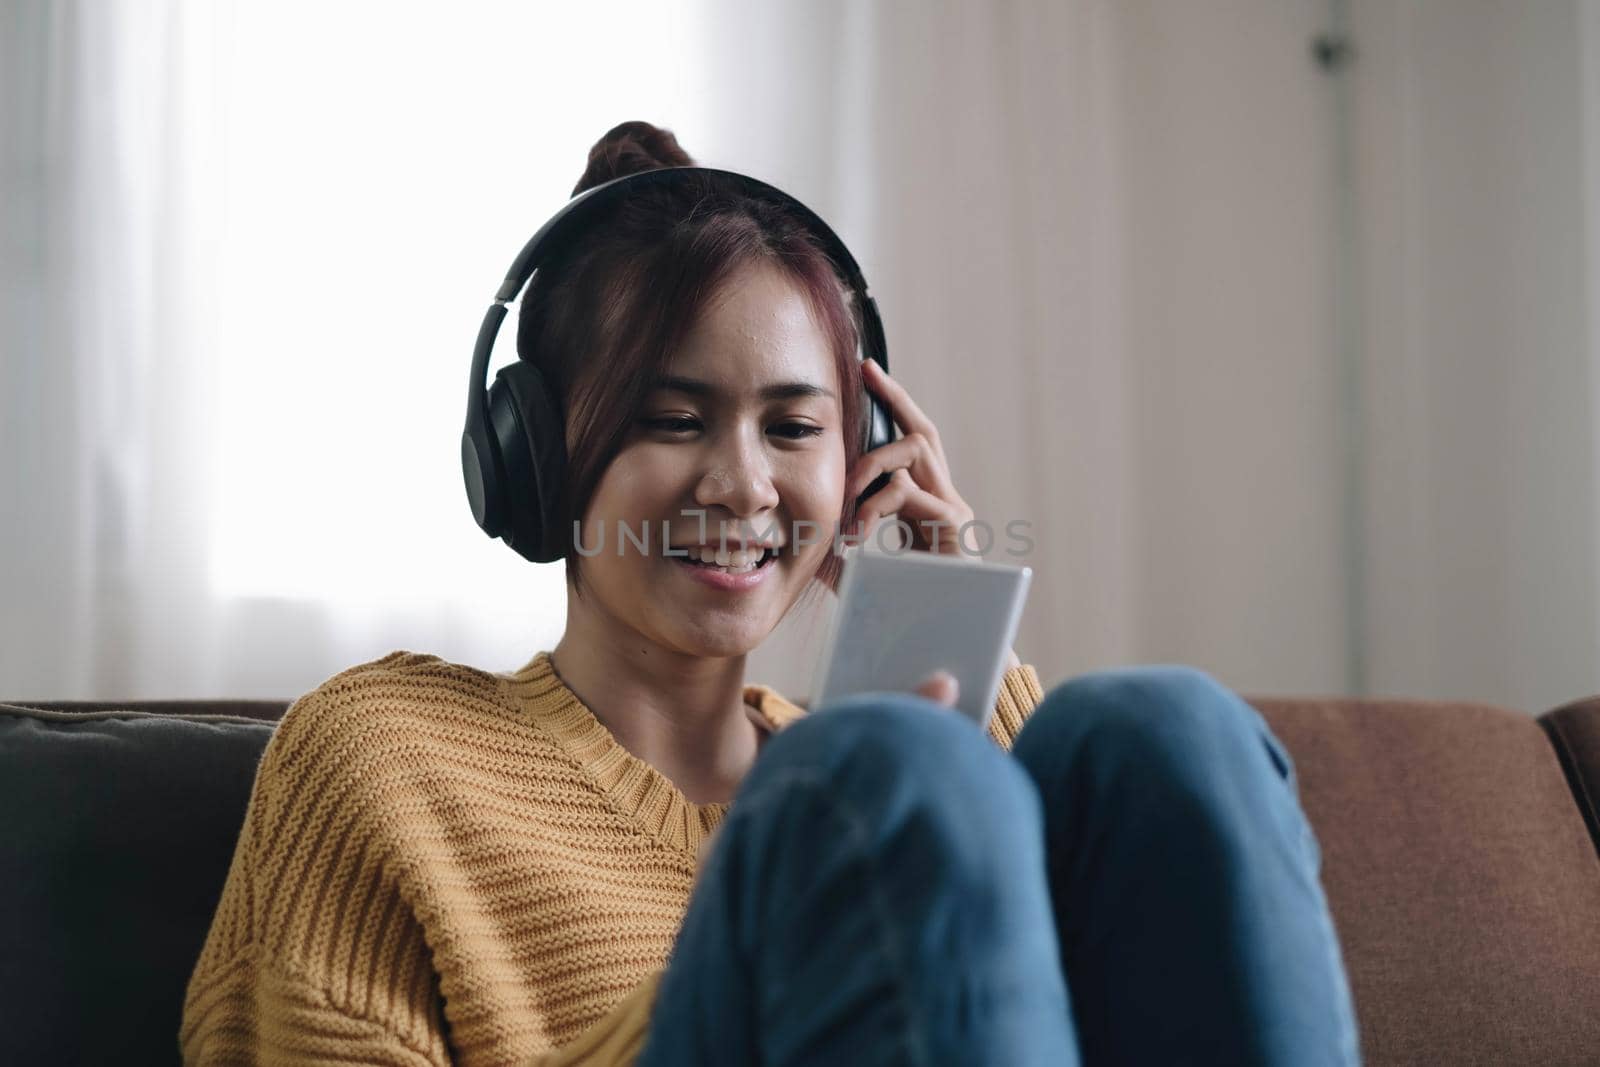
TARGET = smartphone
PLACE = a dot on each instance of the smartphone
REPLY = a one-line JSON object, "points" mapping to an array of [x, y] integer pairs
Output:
{"points": [[904, 614]]}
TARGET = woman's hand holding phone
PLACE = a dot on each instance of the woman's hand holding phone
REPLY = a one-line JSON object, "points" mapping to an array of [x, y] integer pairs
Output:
{"points": [[940, 687]]}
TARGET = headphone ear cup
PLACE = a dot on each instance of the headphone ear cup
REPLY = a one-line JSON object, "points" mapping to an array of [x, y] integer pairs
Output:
{"points": [[879, 426], [531, 433], [878, 429], [481, 470]]}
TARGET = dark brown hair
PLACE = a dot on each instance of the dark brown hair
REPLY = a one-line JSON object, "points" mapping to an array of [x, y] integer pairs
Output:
{"points": [[602, 320]]}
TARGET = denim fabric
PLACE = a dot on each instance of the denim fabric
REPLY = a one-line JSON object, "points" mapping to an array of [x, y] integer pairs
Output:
{"points": [[1184, 877], [891, 887]]}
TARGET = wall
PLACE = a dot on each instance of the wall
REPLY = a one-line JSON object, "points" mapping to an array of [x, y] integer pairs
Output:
{"points": [[1474, 133]]}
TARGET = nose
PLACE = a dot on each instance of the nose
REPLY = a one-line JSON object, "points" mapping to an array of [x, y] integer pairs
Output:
{"points": [[738, 477]]}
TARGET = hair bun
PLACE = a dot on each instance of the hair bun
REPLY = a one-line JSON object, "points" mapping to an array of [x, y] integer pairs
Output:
{"points": [[629, 148]]}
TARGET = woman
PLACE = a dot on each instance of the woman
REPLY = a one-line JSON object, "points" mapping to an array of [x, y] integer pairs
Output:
{"points": [[441, 865]]}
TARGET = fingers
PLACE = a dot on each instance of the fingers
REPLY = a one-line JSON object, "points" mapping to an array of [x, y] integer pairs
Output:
{"points": [[935, 521], [907, 415], [920, 488], [888, 501], [940, 687], [915, 453]]}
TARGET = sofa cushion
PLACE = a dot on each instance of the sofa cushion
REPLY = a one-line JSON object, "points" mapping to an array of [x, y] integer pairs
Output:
{"points": [[1461, 877], [119, 829], [259, 710]]}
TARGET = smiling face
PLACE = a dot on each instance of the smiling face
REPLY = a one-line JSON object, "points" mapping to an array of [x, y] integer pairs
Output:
{"points": [[748, 433]]}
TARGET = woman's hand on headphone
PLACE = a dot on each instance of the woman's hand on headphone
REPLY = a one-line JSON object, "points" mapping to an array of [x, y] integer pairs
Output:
{"points": [[919, 490]]}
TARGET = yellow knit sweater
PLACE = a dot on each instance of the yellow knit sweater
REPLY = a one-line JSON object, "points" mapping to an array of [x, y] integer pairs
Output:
{"points": [[441, 865]]}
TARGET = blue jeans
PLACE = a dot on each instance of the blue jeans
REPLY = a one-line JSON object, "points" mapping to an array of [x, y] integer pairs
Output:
{"points": [[1134, 884]]}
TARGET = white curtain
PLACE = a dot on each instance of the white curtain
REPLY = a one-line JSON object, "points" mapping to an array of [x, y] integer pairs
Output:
{"points": [[247, 249], [967, 152], [1294, 375], [1476, 167], [1100, 234]]}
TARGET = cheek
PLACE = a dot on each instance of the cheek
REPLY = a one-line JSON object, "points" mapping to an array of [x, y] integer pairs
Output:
{"points": [[817, 484], [633, 485]]}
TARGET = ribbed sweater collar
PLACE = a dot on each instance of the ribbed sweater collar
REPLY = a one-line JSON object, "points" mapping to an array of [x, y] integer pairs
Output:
{"points": [[637, 790]]}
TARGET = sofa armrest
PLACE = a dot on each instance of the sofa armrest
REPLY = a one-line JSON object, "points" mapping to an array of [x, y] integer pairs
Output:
{"points": [[1574, 730]]}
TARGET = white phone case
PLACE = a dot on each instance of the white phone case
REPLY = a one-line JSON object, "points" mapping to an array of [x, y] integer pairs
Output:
{"points": [[903, 615]]}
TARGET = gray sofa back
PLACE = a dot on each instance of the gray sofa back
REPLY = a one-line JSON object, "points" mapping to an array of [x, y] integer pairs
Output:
{"points": [[118, 828]]}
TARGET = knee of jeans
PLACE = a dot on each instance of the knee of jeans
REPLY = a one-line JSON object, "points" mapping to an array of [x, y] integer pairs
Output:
{"points": [[1174, 717], [896, 757]]}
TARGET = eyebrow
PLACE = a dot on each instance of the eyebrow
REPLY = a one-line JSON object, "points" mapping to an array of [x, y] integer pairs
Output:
{"points": [[775, 391]]}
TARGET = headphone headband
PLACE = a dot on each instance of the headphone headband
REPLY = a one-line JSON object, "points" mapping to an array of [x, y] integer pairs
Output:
{"points": [[513, 449], [584, 209]]}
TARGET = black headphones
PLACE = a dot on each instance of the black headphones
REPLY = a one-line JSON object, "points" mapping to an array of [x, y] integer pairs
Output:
{"points": [[513, 451]]}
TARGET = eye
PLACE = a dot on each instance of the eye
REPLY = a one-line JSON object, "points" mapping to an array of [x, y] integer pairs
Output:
{"points": [[678, 425], [792, 431], [801, 430]]}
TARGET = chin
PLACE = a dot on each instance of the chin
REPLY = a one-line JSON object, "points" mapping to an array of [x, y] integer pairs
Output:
{"points": [[729, 641], [738, 643]]}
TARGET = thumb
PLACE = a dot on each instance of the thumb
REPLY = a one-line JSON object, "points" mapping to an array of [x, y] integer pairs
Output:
{"points": [[940, 687]]}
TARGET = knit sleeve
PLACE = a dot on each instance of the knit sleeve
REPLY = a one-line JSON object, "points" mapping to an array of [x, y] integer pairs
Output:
{"points": [[1020, 692], [616, 1039], [313, 956], [261, 1015]]}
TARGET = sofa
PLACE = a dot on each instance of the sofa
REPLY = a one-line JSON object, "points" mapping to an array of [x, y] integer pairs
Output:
{"points": [[1460, 846]]}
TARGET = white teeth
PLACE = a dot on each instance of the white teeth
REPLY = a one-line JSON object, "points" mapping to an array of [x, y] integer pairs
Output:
{"points": [[733, 560]]}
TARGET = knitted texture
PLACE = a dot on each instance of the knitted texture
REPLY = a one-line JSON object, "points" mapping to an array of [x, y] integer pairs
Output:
{"points": [[439, 865]]}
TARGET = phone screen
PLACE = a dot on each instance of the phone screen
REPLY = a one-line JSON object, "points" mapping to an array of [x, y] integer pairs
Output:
{"points": [[902, 615]]}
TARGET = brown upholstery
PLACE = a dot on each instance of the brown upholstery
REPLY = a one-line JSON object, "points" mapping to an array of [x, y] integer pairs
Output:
{"points": [[1462, 876]]}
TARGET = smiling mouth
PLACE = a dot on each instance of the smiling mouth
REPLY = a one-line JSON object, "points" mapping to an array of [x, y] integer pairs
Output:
{"points": [[767, 556]]}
